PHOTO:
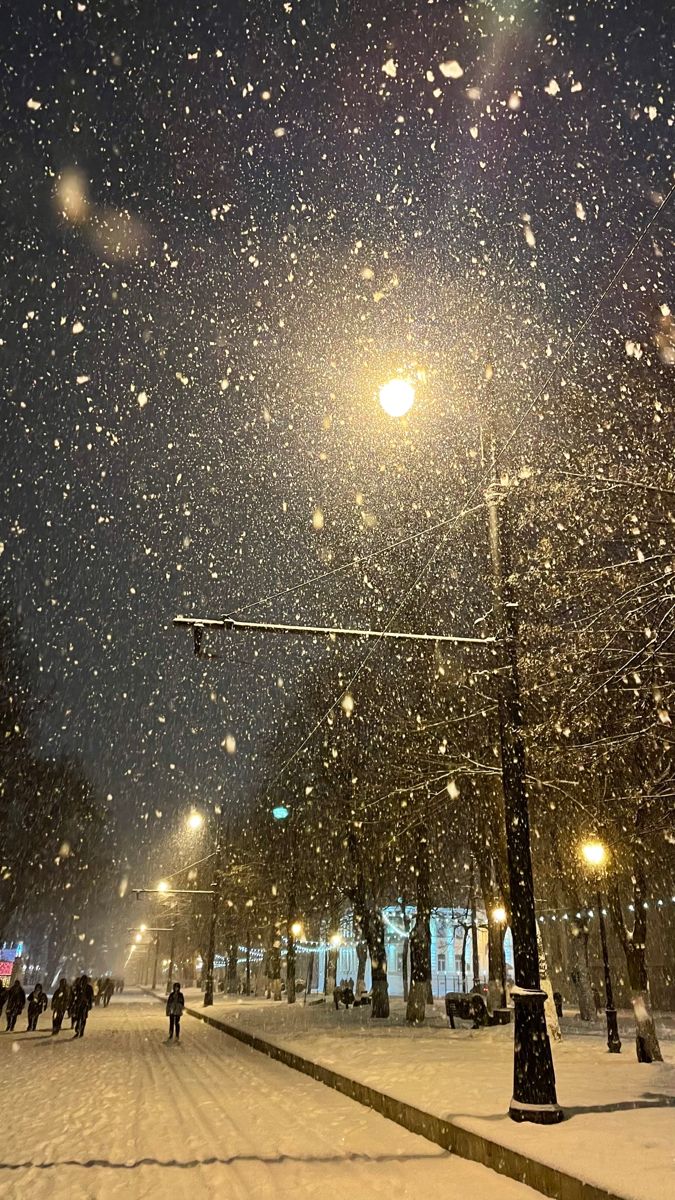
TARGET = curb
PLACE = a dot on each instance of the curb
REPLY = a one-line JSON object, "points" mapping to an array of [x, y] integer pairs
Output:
{"points": [[463, 1142]]}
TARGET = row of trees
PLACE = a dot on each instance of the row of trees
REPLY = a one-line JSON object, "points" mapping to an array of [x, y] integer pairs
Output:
{"points": [[398, 798], [57, 853]]}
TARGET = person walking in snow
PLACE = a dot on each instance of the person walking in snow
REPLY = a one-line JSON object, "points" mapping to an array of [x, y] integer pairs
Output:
{"points": [[174, 1011], [82, 1004], [37, 1003], [60, 1004], [16, 1000], [108, 989]]}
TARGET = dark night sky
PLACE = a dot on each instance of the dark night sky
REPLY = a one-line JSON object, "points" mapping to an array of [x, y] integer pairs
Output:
{"points": [[224, 225]]}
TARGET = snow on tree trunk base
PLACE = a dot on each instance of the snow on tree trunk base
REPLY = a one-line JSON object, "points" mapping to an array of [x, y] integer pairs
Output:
{"points": [[380, 998], [646, 1040], [417, 999]]}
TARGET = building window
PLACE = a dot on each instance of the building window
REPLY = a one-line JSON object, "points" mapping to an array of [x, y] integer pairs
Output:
{"points": [[441, 962]]}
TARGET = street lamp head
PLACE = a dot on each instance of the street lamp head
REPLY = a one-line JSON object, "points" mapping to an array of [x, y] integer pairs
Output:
{"points": [[296, 929], [499, 914], [594, 853], [280, 812], [336, 940], [139, 937], [162, 886], [142, 928], [194, 821], [397, 397]]}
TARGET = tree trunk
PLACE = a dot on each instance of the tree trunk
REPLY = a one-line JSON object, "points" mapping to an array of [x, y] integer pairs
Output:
{"points": [[290, 950], [406, 953], [633, 941], [232, 971], [274, 967], [465, 942], [378, 965], [417, 998], [331, 972], [580, 974], [646, 1039], [552, 1022], [362, 959], [423, 918]]}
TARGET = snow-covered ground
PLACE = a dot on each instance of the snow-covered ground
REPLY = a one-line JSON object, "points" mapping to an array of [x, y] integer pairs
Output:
{"points": [[123, 1114], [619, 1131]]}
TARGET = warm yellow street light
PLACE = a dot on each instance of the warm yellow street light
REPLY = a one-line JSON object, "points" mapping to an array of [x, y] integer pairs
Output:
{"points": [[162, 886], [594, 853], [142, 928], [336, 940], [499, 914], [296, 929], [139, 937], [195, 820], [397, 397]]}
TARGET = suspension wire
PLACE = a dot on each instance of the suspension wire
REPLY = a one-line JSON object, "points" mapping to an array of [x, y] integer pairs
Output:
{"points": [[376, 640], [352, 562], [499, 450], [450, 521]]}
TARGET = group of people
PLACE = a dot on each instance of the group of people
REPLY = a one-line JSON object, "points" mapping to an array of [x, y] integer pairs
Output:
{"points": [[105, 988], [69, 1000]]}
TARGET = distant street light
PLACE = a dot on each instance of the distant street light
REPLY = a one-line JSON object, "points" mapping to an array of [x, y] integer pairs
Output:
{"points": [[397, 397], [280, 812], [296, 929], [163, 886], [595, 857], [194, 821]]}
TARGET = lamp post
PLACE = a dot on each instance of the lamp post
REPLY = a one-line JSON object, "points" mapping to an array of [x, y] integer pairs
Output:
{"points": [[498, 915], [595, 856], [213, 920], [534, 1092]]}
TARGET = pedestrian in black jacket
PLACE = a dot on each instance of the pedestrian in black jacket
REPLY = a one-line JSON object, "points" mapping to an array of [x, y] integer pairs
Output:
{"points": [[60, 1005], [174, 1011], [82, 1002], [37, 1003], [16, 1000]]}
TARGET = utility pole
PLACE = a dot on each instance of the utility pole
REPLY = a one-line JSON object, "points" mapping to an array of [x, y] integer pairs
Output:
{"points": [[534, 1092], [156, 963], [213, 921]]}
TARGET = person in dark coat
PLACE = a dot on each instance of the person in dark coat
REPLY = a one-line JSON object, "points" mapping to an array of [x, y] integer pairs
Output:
{"points": [[16, 1000], [108, 989], [82, 1004], [60, 1004], [174, 1011], [37, 1003]]}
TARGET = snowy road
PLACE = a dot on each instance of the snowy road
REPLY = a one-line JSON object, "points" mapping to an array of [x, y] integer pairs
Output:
{"points": [[123, 1114]]}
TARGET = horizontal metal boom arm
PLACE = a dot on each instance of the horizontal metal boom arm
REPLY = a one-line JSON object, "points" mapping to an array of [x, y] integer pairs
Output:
{"points": [[329, 630]]}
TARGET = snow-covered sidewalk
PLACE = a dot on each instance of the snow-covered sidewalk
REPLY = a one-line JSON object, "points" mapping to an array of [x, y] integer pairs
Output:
{"points": [[121, 1114], [619, 1132]]}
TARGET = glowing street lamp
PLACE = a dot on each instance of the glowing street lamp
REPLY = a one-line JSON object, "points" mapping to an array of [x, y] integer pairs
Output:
{"points": [[163, 886], [595, 857], [397, 397], [296, 929], [594, 854], [194, 821]]}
